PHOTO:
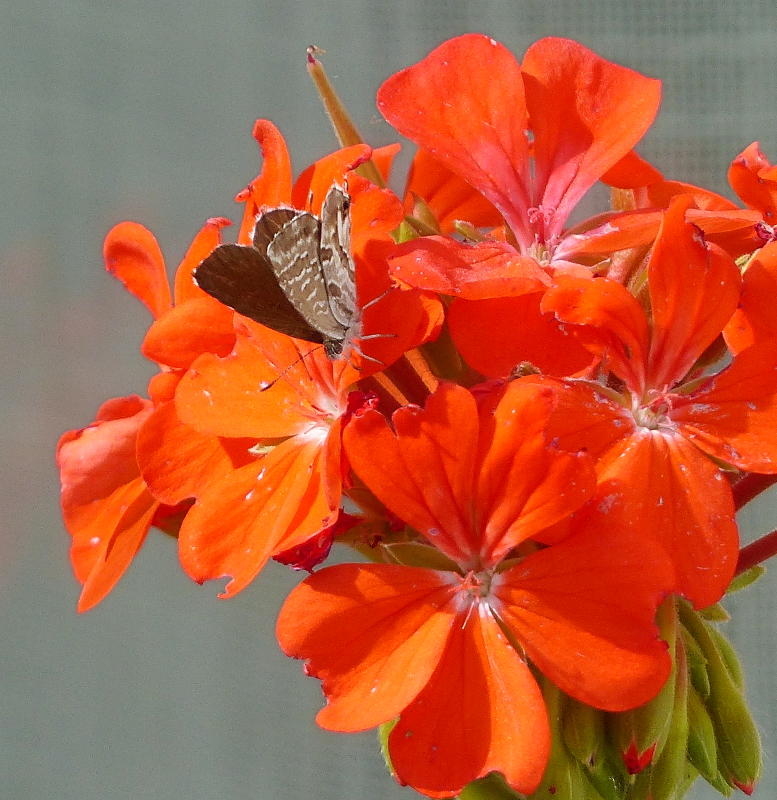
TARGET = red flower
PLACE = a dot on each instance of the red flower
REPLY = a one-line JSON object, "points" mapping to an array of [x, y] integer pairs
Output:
{"points": [[106, 503], [273, 387], [585, 114], [445, 649], [754, 179], [653, 440]]}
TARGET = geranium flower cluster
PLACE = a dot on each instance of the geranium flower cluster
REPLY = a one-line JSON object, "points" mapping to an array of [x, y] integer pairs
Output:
{"points": [[536, 431]]}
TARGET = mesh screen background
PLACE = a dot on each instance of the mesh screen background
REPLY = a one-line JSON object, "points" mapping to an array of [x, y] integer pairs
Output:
{"points": [[141, 110]]}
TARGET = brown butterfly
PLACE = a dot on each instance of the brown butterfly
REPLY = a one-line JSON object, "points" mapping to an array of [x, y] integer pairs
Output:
{"points": [[296, 278]]}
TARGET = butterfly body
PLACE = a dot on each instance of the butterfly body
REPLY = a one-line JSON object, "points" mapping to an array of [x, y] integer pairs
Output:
{"points": [[297, 277]]}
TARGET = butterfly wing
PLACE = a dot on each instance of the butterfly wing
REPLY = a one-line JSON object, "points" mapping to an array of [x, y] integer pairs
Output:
{"points": [[270, 223], [243, 279], [293, 255], [335, 256]]}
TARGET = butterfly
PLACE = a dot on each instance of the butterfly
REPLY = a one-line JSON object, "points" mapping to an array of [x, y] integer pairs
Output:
{"points": [[297, 277]]}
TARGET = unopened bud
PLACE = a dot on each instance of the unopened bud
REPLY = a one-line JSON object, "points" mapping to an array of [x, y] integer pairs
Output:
{"points": [[669, 771], [583, 728], [739, 745], [641, 732], [702, 744], [564, 778], [729, 656], [697, 664]]}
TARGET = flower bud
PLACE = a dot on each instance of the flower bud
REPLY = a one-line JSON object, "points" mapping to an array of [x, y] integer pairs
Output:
{"points": [[564, 777], [669, 772], [702, 744], [739, 745], [584, 731], [641, 732]]}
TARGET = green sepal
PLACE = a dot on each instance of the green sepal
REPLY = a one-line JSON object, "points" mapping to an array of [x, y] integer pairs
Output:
{"points": [[714, 613], [564, 778], [746, 578], [730, 657], [492, 787], [384, 731], [417, 554], [739, 744], [669, 770], [697, 664], [584, 731], [702, 743], [404, 233]]}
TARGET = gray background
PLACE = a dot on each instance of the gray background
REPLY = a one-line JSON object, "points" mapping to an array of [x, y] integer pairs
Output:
{"points": [[143, 110]]}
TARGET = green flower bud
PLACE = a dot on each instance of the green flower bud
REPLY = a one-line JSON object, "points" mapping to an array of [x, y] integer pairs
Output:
{"points": [[729, 656], [564, 777], [640, 733], [584, 731], [669, 772], [697, 664], [702, 744], [739, 745]]}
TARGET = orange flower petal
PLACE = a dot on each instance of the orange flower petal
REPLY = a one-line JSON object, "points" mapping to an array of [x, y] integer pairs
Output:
{"points": [[177, 462], [755, 320], [97, 460], [383, 158], [751, 178], [584, 611], [734, 416], [631, 172], [451, 106], [273, 186], [200, 325], [694, 290], [482, 711], [425, 472], [105, 503], [313, 184], [102, 551], [254, 512], [613, 324], [373, 634], [133, 256], [203, 245], [586, 115], [479, 271], [662, 487], [450, 198], [495, 335], [229, 396], [618, 232], [524, 486]]}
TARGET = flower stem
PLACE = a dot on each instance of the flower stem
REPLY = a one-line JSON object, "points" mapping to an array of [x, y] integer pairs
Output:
{"points": [[757, 552], [347, 132], [751, 486]]}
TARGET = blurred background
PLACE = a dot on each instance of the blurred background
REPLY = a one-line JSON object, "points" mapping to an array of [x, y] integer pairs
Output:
{"points": [[143, 110]]}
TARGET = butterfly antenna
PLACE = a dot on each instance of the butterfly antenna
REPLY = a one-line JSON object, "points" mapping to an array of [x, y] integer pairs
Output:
{"points": [[264, 386]]}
